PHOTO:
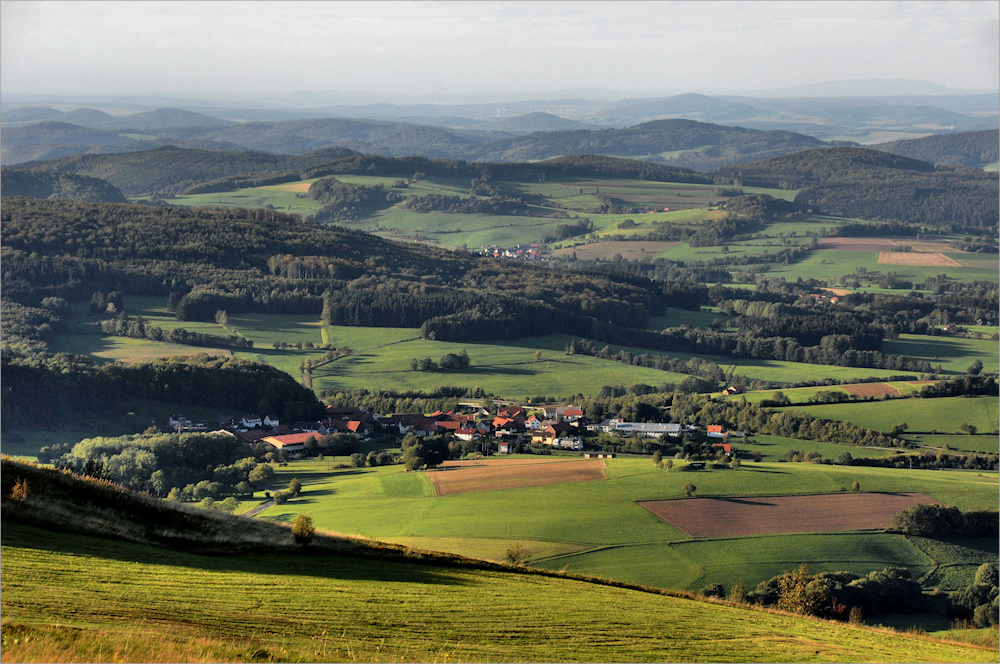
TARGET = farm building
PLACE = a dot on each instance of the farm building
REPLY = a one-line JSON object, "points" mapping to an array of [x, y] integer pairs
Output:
{"points": [[293, 442]]}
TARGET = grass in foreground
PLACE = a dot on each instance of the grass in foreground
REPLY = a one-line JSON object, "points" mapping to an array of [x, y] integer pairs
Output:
{"points": [[81, 598]]}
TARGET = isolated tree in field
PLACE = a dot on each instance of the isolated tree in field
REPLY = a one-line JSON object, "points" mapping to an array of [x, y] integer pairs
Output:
{"points": [[856, 486], [516, 554], [669, 463], [303, 529], [970, 429], [295, 486], [975, 368], [689, 489], [658, 459], [20, 491], [538, 355], [221, 317]]}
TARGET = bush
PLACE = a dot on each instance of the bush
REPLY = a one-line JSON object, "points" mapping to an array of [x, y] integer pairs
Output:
{"points": [[303, 529], [281, 497], [516, 554], [714, 590]]}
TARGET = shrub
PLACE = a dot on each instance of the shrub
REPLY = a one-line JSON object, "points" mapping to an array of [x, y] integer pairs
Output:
{"points": [[281, 497], [714, 590], [516, 554], [20, 491], [303, 529], [295, 487]]}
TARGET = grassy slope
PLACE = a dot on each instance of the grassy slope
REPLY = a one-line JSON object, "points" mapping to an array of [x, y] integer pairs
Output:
{"points": [[126, 602], [944, 414], [76, 597]]}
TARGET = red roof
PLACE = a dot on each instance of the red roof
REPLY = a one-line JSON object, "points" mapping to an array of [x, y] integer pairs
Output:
{"points": [[290, 439], [715, 428], [726, 447]]}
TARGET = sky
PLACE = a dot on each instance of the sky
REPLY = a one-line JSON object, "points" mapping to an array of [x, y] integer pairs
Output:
{"points": [[391, 49]]}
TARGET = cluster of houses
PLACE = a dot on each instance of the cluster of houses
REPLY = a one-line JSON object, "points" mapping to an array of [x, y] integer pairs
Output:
{"points": [[524, 251], [560, 427]]}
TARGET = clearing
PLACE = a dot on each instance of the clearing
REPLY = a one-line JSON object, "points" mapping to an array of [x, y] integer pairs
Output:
{"points": [[732, 517]]}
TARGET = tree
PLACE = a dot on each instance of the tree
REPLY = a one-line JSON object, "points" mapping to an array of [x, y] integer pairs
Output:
{"points": [[975, 368], [538, 355], [261, 475], [801, 592], [899, 428], [311, 444], [689, 489], [303, 529], [221, 318], [855, 486], [295, 486], [358, 460], [658, 459], [228, 505], [970, 429], [669, 463]]}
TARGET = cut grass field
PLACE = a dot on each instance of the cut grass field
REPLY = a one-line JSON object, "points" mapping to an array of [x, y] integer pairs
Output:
{"points": [[82, 598], [944, 415], [987, 443], [954, 354]]}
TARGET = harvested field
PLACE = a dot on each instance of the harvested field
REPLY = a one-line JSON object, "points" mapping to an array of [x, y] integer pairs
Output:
{"points": [[837, 291], [737, 517], [292, 186], [884, 244], [630, 251], [871, 390], [916, 259], [512, 474], [858, 244]]}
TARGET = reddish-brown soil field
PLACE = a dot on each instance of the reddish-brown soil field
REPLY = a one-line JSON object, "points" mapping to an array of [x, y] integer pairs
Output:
{"points": [[293, 186], [737, 517], [858, 244], [871, 390], [512, 474], [630, 251], [918, 259]]}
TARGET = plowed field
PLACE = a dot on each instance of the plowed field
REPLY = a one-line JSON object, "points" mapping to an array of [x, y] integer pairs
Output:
{"points": [[464, 477], [917, 259], [870, 390], [630, 251], [735, 517]]}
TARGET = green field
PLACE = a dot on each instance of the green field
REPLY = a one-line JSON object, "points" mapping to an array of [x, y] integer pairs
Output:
{"points": [[589, 527], [988, 443], [82, 598], [943, 415], [797, 395], [954, 354]]}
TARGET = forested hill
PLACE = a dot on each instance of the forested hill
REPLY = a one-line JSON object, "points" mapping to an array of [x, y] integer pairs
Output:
{"points": [[58, 185], [258, 260], [170, 170], [711, 145], [869, 184], [971, 148]]}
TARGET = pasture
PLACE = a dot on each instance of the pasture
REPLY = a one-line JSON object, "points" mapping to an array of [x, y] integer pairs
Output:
{"points": [[954, 354], [589, 525], [81, 598], [944, 415]]}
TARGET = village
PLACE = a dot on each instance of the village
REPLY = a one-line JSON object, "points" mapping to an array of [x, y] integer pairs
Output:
{"points": [[511, 429]]}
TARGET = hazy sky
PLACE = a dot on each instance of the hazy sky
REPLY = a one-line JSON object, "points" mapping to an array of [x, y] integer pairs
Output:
{"points": [[395, 48]]}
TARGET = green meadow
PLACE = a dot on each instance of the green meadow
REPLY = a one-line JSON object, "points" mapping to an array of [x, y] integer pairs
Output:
{"points": [[596, 527], [84, 598], [954, 354], [944, 415]]}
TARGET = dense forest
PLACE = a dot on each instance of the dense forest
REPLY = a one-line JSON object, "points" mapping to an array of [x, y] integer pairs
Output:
{"points": [[867, 184], [59, 185], [971, 148]]}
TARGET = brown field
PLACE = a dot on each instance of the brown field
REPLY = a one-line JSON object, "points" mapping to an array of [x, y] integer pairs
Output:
{"points": [[918, 259], [291, 186], [837, 291], [630, 251], [858, 244], [464, 477], [738, 517], [884, 244], [870, 390]]}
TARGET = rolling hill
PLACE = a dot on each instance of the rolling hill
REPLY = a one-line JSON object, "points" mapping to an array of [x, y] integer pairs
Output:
{"points": [[972, 148], [70, 584], [879, 186], [171, 169], [59, 185]]}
